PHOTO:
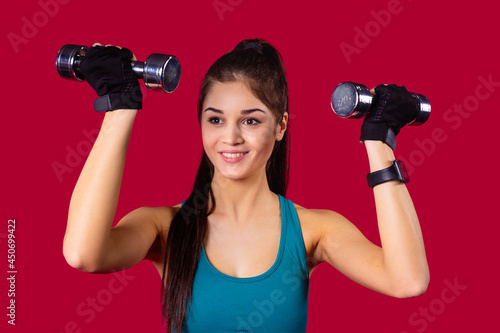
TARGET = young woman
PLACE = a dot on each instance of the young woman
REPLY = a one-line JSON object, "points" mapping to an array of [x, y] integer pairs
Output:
{"points": [[236, 255]]}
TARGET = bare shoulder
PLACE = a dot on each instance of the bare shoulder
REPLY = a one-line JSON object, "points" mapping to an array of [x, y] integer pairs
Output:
{"points": [[315, 218], [147, 228], [315, 223], [161, 217]]}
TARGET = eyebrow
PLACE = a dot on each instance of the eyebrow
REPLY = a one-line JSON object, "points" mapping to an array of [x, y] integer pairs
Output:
{"points": [[242, 111]]}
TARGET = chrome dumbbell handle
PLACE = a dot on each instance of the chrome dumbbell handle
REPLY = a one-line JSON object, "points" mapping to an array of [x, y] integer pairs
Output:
{"points": [[159, 72], [354, 100]]}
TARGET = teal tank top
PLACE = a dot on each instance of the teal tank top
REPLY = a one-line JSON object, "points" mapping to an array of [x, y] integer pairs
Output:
{"points": [[275, 301]]}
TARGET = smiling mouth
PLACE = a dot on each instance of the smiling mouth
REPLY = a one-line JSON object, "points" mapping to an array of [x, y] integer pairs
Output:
{"points": [[233, 155]]}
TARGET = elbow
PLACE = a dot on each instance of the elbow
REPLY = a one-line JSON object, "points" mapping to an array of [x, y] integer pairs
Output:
{"points": [[413, 288], [78, 261], [412, 291]]}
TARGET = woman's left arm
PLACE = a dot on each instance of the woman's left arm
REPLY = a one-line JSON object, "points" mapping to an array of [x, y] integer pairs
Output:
{"points": [[398, 268], [403, 251]]}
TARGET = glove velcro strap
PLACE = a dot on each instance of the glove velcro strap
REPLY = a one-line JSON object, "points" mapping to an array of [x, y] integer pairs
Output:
{"points": [[378, 132], [116, 101]]}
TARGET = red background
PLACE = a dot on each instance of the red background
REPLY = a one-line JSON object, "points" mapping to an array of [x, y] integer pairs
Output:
{"points": [[439, 49]]}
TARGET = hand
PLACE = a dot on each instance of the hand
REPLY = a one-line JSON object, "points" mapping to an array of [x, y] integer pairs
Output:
{"points": [[392, 108], [108, 71]]}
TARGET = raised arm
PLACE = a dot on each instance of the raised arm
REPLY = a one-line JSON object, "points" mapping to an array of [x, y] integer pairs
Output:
{"points": [[95, 196], [399, 267], [403, 252], [90, 244]]}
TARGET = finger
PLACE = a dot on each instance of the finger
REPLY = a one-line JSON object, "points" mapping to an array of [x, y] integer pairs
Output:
{"points": [[372, 90], [97, 44], [133, 58], [380, 88]]}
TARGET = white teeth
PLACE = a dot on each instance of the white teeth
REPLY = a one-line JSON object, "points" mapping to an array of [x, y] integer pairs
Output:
{"points": [[228, 155]]}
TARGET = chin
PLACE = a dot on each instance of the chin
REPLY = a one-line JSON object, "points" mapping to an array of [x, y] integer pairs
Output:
{"points": [[233, 175]]}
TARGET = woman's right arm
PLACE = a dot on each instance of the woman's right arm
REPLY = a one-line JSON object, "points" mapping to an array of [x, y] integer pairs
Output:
{"points": [[90, 244]]}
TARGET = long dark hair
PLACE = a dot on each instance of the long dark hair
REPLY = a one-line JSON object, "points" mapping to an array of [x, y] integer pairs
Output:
{"points": [[258, 64]]}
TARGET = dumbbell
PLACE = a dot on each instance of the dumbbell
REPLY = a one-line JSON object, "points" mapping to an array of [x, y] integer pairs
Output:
{"points": [[160, 72], [353, 100]]}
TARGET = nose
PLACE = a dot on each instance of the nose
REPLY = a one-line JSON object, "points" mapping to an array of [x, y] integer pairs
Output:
{"points": [[232, 135]]}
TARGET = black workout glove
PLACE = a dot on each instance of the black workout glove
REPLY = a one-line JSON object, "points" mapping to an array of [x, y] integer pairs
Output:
{"points": [[109, 71], [392, 108]]}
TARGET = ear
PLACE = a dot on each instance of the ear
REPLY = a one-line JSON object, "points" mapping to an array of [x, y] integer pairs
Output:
{"points": [[281, 127]]}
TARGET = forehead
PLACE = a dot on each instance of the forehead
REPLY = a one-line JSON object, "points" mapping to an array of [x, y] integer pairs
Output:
{"points": [[232, 96]]}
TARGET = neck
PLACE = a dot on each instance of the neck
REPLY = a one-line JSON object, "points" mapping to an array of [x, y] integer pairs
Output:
{"points": [[237, 200]]}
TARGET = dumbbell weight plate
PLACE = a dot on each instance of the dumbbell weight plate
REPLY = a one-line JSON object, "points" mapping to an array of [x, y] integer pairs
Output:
{"points": [[68, 60], [161, 72], [424, 110], [351, 100]]}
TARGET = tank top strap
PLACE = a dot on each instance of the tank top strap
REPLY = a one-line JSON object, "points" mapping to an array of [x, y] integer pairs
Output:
{"points": [[294, 239]]}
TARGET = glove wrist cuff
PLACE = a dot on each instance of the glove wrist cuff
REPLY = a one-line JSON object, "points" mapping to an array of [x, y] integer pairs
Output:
{"points": [[116, 101], [378, 132]]}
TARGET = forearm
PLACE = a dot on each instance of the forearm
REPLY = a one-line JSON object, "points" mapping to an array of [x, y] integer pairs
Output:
{"points": [[95, 196], [404, 258]]}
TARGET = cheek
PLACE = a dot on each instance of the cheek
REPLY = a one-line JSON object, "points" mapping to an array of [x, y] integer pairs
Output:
{"points": [[261, 139], [209, 137]]}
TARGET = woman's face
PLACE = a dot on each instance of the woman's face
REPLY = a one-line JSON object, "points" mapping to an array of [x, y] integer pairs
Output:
{"points": [[238, 130]]}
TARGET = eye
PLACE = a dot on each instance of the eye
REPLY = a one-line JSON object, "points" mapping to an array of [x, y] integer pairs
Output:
{"points": [[251, 121], [214, 120]]}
